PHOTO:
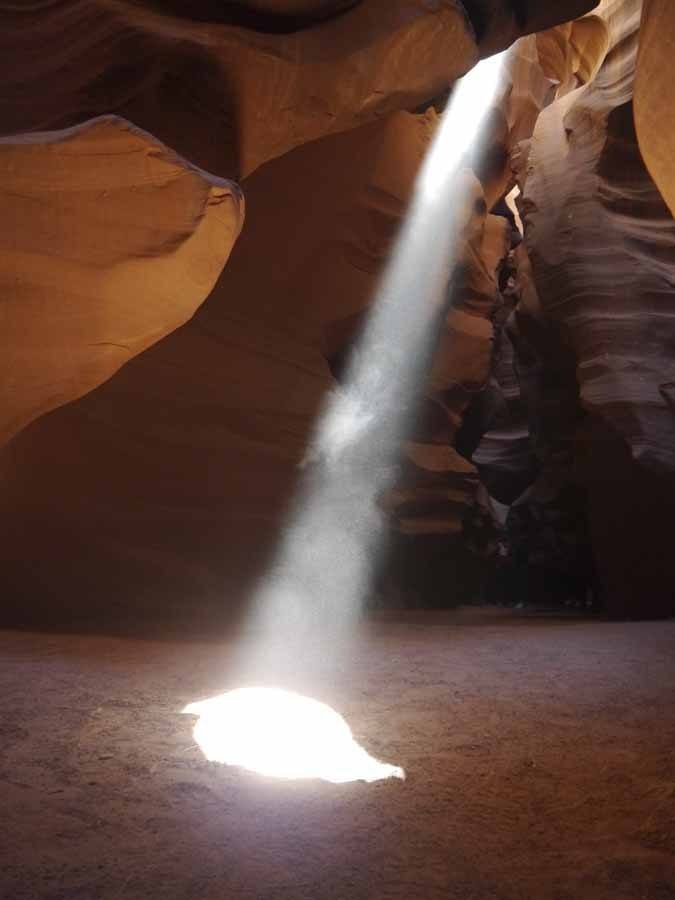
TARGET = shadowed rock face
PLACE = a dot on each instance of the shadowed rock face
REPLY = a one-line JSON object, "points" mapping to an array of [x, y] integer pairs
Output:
{"points": [[602, 245], [200, 437], [227, 98], [231, 85], [272, 16], [579, 399], [498, 23], [438, 486]]}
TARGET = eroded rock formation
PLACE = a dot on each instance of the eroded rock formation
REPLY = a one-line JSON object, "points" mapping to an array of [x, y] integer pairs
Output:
{"points": [[109, 242], [200, 437], [576, 418], [593, 335], [549, 405], [227, 97], [602, 244], [654, 115]]}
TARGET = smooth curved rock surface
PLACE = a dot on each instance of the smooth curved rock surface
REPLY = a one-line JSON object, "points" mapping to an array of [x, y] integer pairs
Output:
{"points": [[109, 241], [230, 86], [602, 245], [654, 114], [200, 436], [571, 55], [540, 68], [587, 177], [225, 97], [168, 483]]}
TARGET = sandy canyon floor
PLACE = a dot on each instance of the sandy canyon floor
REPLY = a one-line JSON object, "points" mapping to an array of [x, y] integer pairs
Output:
{"points": [[539, 751]]}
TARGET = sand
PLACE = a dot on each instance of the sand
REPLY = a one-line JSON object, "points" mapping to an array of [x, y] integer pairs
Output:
{"points": [[539, 755]]}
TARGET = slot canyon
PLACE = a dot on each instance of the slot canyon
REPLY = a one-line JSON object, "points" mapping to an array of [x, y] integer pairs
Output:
{"points": [[203, 205]]}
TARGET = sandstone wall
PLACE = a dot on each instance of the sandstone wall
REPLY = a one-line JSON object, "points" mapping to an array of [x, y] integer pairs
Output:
{"points": [[167, 485], [228, 95], [602, 244], [654, 111], [550, 399], [109, 241]]}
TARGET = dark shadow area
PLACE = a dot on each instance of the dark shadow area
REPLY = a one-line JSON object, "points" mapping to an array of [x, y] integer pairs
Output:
{"points": [[241, 15]]}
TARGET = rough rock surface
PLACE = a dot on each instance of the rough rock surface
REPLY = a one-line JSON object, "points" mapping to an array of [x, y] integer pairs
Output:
{"points": [[109, 241]]}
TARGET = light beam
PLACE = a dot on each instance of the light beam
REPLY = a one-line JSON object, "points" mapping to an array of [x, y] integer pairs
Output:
{"points": [[327, 553], [306, 607]]}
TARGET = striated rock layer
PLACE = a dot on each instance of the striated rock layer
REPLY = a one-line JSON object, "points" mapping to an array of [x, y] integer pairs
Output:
{"points": [[602, 245], [168, 483], [437, 484], [232, 85], [227, 97], [109, 242]]}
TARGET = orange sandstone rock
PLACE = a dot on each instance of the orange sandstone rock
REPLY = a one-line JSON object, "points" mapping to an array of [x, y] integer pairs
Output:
{"points": [[187, 457], [654, 107], [227, 97], [108, 242]]}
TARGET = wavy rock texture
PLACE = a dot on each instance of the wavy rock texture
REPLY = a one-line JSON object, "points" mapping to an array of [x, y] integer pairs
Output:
{"points": [[475, 431], [168, 483], [231, 86], [654, 115], [438, 488], [473, 396], [497, 432], [438, 485], [602, 245], [579, 398], [109, 242], [540, 68], [226, 97], [199, 438]]}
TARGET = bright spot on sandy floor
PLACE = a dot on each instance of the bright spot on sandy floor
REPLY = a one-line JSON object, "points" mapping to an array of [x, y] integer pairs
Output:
{"points": [[284, 735]]}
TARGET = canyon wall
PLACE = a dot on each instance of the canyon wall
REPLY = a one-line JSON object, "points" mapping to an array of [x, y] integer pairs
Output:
{"points": [[109, 242], [588, 417], [168, 484], [202, 353], [601, 241]]}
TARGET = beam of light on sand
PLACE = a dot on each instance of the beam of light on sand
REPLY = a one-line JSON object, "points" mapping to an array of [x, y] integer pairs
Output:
{"points": [[284, 735], [304, 612]]}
